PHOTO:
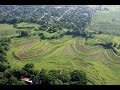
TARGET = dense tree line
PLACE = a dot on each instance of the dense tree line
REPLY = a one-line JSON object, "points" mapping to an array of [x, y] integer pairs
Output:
{"points": [[55, 77], [23, 33], [6, 77], [4, 47], [44, 77]]}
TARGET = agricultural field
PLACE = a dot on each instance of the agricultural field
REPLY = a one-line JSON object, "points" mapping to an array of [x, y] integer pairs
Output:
{"points": [[7, 30], [101, 65], [24, 25]]}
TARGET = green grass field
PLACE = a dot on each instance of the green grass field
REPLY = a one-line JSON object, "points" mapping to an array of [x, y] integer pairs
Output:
{"points": [[26, 25], [107, 21], [7, 30], [67, 53]]}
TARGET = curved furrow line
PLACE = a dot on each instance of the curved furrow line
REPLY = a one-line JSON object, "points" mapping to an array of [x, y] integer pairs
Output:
{"points": [[27, 50], [42, 52], [35, 52], [32, 55], [80, 47], [39, 48], [79, 51], [22, 51], [112, 57], [41, 55], [98, 55]]}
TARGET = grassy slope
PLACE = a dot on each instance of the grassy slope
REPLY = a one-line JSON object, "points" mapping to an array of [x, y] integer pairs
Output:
{"points": [[9, 30], [6, 29], [98, 68]]}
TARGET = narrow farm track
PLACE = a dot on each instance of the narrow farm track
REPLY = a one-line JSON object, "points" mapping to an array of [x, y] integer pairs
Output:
{"points": [[80, 46], [68, 51], [109, 61], [112, 56], [84, 51]]}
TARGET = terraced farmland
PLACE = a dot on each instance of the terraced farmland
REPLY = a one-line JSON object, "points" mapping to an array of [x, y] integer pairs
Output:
{"points": [[66, 53], [83, 49], [115, 58]]}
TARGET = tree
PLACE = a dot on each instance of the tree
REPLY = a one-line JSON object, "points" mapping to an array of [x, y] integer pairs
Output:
{"points": [[3, 66], [100, 32], [64, 78], [2, 51], [108, 45], [14, 25], [3, 79], [54, 77], [44, 77], [41, 35], [18, 73], [118, 47], [115, 44], [28, 66], [4, 46], [14, 81], [24, 33], [32, 72], [57, 82], [8, 73], [78, 77], [19, 32], [3, 58], [113, 19], [28, 70], [36, 80]]}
